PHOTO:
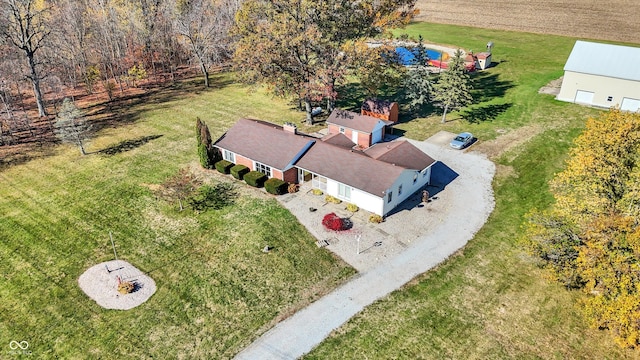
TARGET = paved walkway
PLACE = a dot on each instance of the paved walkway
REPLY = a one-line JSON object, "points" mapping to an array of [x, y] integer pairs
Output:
{"points": [[463, 206]]}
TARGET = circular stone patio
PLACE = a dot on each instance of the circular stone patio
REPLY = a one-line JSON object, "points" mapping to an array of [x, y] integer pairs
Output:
{"points": [[100, 283]]}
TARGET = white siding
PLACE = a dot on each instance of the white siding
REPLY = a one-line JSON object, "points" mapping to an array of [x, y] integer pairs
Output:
{"points": [[607, 92], [360, 198], [408, 188], [376, 136]]}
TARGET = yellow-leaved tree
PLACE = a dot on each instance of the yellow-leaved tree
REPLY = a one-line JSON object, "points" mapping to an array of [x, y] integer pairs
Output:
{"points": [[590, 238]]}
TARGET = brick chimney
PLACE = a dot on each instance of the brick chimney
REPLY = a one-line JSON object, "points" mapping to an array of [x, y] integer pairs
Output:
{"points": [[290, 127]]}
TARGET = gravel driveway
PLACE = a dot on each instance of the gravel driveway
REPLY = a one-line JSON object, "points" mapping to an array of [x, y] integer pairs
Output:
{"points": [[411, 241]]}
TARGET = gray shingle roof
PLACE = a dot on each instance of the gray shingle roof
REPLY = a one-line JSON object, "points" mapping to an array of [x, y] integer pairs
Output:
{"points": [[264, 142], [615, 61]]}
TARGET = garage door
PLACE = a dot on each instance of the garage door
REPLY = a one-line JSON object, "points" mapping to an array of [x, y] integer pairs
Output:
{"points": [[584, 97], [629, 104]]}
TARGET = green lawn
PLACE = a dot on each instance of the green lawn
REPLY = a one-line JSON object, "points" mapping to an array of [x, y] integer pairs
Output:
{"points": [[490, 300], [216, 289]]}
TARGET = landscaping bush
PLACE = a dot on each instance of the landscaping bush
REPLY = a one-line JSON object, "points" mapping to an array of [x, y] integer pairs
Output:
{"points": [[333, 222], [203, 154], [331, 199], [276, 186], [238, 171], [376, 219], [255, 178], [352, 207], [224, 166], [212, 197]]}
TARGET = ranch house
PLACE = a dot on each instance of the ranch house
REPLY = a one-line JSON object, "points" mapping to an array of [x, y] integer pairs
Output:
{"points": [[376, 179], [602, 75]]}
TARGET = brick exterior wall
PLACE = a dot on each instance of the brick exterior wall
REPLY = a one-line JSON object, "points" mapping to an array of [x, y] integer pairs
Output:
{"points": [[241, 160], [291, 175]]}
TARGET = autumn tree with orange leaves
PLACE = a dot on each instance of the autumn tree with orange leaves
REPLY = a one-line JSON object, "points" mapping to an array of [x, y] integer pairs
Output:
{"points": [[590, 238]]}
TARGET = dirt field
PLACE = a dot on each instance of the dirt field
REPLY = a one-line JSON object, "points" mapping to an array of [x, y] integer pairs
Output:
{"points": [[615, 20]]}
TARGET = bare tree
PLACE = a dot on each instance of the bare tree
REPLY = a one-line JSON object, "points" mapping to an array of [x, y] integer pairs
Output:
{"points": [[25, 28], [204, 25], [71, 126]]}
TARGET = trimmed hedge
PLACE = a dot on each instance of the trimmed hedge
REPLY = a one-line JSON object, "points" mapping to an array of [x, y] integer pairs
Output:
{"points": [[255, 178], [239, 171], [223, 166], [276, 186]]}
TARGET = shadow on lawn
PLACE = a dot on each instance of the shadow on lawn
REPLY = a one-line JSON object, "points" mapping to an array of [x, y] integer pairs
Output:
{"points": [[127, 145], [485, 113]]}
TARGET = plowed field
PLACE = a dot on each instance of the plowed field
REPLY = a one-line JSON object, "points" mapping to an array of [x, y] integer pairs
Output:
{"points": [[615, 20]]}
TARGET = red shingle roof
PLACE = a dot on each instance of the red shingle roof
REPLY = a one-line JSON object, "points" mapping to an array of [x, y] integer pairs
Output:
{"points": [[355, 121], [263, 142]]}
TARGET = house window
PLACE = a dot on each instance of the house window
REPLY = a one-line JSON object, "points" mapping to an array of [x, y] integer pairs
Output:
{"points": [[609, 98], [229, 156], [400, 190], [415, 178], [344, 191], [389, 196], [341, 130], [263, 169]]}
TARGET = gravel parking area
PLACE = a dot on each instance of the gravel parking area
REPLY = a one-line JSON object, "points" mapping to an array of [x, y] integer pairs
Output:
{"points": [[459, 180]]}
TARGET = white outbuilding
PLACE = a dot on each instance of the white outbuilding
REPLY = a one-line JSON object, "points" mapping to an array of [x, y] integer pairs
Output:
{"points": [[602, 75]]}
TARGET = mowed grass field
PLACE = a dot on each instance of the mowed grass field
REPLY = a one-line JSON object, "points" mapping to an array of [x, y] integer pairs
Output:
{"points": [[490, 301], [216, 289]]}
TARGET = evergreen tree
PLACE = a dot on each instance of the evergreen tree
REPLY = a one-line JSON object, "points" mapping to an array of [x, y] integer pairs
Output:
{"points": [[453, 89]]}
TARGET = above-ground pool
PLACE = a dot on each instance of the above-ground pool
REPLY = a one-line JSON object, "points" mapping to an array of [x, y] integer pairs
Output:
{"points": [[407, 56]]}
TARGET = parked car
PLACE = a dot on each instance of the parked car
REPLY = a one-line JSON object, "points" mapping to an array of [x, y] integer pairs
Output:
{"points": [[461, 140]]}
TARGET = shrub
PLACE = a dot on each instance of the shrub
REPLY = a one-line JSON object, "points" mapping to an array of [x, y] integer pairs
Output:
{"points": [[224, 166], [331, 199], [275, 186], [317, 192], [238, 171], [126, 287], [293, 188], [352, 207], [375, 218], [203, 154], [212, 197], [333, 222], [255, 178]]}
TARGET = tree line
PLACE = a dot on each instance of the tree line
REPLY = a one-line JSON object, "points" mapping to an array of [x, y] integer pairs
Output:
{"points": [[51, 45], [301, 49]]}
